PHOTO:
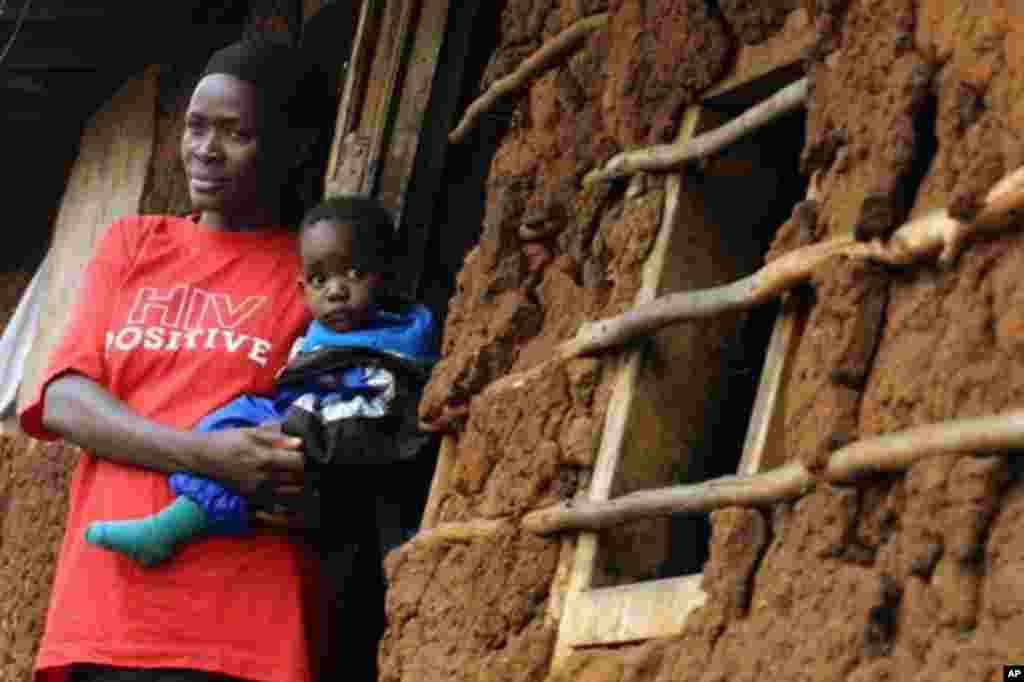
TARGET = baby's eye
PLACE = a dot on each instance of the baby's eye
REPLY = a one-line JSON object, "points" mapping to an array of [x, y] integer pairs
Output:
{"points": [[316, 281], [355, 273], [242, 136]]}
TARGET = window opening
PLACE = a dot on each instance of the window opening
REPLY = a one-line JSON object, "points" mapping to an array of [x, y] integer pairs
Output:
{"points": [[742, 196]]}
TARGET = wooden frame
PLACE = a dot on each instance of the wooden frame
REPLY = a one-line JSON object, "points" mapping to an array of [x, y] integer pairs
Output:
{"points": [[768, 414], [659, 608], [632, 613], [350, 153], [595, 616], [579, 624], [401, 91], [396, 50]]}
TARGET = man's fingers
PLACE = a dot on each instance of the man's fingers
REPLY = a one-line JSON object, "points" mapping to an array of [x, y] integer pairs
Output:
{"points": [[278, 521], [276, 439], [285, 442], [288, 461], [273, 520]]}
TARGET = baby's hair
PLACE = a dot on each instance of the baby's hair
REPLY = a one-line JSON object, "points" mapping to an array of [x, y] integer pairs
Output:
{"points": [[370, 221]]}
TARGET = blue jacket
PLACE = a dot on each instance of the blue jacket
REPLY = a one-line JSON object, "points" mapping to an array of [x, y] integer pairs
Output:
{"points": [[333, 383]]}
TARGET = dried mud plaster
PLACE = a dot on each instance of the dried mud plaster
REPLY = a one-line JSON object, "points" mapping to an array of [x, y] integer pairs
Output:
{"points": [[662, 53], [870, 97], [901, 576], [754, 20], [33, 503], [469, 612]]}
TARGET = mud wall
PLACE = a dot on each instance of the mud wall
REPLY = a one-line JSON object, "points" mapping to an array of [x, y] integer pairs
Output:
{"points": [[914, 105], [18, 576]]}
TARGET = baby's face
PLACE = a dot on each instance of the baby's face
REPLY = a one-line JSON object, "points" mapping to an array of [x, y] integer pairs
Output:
{"points": [[340, 291]]}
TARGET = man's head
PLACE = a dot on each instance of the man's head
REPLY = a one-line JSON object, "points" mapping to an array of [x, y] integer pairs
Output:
{"points": [[237, 129], [348, 248]]}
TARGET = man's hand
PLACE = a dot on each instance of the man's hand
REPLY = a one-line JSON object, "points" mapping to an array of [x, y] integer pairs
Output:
{"points": [[256, 459], [280, 508], [284, 522]]}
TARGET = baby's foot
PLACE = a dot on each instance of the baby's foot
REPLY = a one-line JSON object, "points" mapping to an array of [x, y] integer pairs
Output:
{"points": [[151, 539]]}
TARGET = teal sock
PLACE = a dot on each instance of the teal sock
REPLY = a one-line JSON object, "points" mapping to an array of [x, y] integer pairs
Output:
{"points": [[151, 539]]}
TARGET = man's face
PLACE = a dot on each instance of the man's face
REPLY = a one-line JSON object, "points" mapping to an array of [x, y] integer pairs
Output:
{"points": [[340, 291], [224, 151]]}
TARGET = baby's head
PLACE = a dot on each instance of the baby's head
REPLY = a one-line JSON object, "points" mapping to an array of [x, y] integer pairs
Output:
{"points": [[348, 250]]}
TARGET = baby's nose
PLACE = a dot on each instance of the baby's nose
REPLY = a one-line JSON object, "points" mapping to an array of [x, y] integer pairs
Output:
{"points": [[337, 290]]}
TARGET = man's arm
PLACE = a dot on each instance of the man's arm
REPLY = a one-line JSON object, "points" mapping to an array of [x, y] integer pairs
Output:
{"points": [[85, 413]]}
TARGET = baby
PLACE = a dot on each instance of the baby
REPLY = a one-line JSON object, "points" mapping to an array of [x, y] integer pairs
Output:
{"points": [[350, 389]]}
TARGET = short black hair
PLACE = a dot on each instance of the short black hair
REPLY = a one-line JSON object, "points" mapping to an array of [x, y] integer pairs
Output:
{"points": [[373, 225], [285, 75]]}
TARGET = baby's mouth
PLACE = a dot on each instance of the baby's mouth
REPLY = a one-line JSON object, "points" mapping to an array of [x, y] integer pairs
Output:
{"points": [[339, 318]]}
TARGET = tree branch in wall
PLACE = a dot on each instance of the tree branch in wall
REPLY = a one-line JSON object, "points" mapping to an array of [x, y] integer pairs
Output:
{"points": [[668, 157], [894, 452], [565, 42]]}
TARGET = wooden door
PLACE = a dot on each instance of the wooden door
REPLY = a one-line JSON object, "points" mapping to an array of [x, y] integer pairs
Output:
{"points": [[402, 86]]}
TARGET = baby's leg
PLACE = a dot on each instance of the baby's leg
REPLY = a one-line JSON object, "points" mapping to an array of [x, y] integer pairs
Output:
{"points": [[151, 539]]}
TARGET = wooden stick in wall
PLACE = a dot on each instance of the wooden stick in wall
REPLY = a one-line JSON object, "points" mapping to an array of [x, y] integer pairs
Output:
{"points": [[458, 532], [565, 42], [893, 452], [933, 234], [938, 233], [666, 157]]}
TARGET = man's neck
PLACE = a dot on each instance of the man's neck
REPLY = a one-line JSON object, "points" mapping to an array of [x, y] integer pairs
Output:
{"points": [[257, 219]]}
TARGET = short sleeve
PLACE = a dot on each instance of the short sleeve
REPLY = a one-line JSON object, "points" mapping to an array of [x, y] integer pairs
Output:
{"points": [[81, 349]]}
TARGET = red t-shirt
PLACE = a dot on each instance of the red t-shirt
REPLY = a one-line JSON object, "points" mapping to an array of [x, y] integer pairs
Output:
{"points": [[175, 319]]}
